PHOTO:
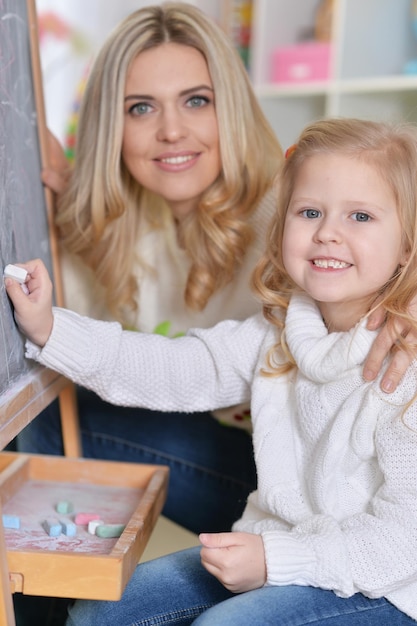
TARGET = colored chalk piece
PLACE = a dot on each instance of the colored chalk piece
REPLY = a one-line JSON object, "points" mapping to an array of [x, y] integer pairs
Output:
{"points": [[64, 507], [52, 527], [84, 518], [92, 525], [68, 528], [109, 530], [11, 521]]}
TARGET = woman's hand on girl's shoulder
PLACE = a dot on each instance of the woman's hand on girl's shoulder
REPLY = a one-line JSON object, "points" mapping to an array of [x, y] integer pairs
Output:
{"points": [[399, 360]]}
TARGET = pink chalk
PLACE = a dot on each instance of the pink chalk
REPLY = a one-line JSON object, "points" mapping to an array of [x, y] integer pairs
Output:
{"points": [[85, 518]]}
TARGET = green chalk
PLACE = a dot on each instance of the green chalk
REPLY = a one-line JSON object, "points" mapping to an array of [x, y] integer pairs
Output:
{"points": [[109, 530], [64, 507]]}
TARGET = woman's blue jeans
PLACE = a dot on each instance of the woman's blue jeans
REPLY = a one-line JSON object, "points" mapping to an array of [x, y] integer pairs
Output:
{"points": [[177, 590], [212, 469]]}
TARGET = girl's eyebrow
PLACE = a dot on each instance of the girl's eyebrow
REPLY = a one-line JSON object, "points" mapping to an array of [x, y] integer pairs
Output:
{"points": [[185, 92]]}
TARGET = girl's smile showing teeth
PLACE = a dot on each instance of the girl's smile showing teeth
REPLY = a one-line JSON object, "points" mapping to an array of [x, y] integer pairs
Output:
{"points": [[341, 213], [330, 263]]}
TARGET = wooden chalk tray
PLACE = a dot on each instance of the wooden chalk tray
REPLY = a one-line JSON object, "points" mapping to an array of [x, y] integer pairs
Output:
{"points": [[84, 566]]}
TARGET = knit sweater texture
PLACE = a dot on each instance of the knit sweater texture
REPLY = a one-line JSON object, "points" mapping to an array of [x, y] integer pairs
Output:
{"points": [[336, 503], [161, 306]]}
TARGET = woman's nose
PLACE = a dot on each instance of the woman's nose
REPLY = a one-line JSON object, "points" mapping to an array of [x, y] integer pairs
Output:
{"points": [[171, 127]]}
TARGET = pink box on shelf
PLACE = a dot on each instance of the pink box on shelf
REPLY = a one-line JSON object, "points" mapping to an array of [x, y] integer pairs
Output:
{"points": [[301, 63]]}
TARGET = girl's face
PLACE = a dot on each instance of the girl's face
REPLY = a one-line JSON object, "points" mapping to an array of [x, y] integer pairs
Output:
{"points": [[342, 236], [170, 138]]}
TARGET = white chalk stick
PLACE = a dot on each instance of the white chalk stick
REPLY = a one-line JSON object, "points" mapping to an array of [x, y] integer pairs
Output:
{"points": [[18, 274], [15, 272], [92, 525]]}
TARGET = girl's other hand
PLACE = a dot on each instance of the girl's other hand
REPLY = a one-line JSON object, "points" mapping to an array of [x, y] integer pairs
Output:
{"points": [[33, 311], [236, 559]]}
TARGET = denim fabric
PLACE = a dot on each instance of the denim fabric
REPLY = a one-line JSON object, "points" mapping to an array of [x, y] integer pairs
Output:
{"points": [[177, 590]]}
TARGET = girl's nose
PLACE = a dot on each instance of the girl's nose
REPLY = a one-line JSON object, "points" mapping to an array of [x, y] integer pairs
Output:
{"points": [[327, 231]]}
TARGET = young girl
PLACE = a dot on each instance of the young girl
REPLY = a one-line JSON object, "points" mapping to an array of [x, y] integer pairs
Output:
{"points": [[330, 535]]}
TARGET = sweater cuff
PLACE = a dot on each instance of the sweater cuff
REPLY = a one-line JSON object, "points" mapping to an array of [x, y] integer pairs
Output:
{"points": [[68, 345], [288, 560]]}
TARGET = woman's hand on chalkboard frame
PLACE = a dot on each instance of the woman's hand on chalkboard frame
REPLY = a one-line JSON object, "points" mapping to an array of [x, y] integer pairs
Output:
{"points": [[33, 311], [56, 174]]}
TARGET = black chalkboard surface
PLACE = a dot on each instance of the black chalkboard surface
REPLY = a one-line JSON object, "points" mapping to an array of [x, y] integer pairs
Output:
{"points": [[24, 231], [25, 209]]}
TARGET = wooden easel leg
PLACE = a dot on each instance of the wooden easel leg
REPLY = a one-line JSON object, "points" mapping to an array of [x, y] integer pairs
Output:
{"points": [[69, 421], [6, 602]]}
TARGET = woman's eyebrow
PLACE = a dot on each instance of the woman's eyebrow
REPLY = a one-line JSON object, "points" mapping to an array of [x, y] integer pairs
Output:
{"points": [[196, 88], [185, 92]]}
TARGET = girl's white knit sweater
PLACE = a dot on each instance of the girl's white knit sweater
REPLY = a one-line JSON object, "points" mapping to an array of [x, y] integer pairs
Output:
{"points": [[336, 503]]}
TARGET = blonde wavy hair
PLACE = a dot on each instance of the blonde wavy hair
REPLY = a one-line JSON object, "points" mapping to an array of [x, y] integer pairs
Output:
{"points": [[392, 150], [104, 209]]}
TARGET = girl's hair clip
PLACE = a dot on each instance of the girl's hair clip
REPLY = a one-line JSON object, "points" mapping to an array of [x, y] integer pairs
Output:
{"points": [[289, 151]]}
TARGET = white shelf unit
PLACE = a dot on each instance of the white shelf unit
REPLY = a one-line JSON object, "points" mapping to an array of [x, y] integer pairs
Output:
{"points": [[371, 42]]}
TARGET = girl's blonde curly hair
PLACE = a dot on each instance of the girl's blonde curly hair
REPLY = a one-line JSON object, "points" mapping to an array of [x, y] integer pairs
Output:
{"points": [[392, 150]]}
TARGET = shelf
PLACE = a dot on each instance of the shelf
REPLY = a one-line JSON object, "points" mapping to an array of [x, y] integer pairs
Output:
{"points": [[371, 44]]}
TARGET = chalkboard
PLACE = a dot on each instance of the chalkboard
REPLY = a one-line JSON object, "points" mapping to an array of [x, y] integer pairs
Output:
{"points": [[25, 212]]}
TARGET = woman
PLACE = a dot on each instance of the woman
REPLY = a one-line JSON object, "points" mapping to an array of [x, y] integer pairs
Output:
{"points": [[162, 221]]}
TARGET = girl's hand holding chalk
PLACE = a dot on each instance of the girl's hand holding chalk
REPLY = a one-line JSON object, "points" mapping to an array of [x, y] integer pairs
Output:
{"points": [[32, 310], [17, 273]]}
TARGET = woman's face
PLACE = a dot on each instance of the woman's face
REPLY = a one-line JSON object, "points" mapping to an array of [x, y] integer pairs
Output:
{"points": [[170, 137]]}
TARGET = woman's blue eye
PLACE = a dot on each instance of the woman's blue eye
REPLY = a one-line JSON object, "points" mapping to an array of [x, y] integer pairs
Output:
{"points": [[140, 108], [361, 217], [197, 101], [311, 213]]}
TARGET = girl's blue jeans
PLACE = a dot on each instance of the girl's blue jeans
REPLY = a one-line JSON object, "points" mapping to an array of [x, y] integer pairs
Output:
{"points": [[177, 590], [212, 468]]}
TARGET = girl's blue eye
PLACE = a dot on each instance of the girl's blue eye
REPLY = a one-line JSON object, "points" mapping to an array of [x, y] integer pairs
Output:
{"points": [[361, 217], [311, 213]]}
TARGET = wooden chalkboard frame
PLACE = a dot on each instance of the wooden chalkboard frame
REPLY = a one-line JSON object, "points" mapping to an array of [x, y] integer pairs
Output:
{"points": [[31, 395]]}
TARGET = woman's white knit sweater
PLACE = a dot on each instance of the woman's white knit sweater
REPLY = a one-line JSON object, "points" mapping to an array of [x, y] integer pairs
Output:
{"points": [[336, 503], [163, 282]]}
